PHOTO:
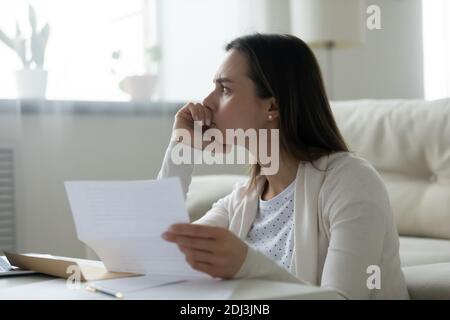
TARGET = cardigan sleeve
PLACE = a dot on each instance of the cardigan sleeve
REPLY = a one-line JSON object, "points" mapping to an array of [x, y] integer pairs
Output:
{"points": [[218, 215], [258, 265], [171, 169], [355, 204]]}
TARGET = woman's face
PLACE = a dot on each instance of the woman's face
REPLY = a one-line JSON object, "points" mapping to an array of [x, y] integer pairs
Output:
{"points": [[233, 101]]}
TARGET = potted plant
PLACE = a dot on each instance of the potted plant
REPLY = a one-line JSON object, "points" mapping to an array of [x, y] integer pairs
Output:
{"points": [[141, 87], [32, 78]]}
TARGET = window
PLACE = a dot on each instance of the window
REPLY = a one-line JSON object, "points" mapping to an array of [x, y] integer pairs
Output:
{"points": [[83, 35], [191, 34], [436, 48]]}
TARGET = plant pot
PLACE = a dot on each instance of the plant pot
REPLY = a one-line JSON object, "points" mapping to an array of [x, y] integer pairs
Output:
{"points": [[139, 87], [31, 83]]}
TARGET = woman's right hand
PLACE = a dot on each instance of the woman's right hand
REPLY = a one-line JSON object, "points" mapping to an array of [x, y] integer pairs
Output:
{"points": [[190, 112], [184, 120]]}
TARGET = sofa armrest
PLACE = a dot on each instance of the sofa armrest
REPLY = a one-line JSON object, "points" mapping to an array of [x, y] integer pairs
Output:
{"points": [[430, 281]]}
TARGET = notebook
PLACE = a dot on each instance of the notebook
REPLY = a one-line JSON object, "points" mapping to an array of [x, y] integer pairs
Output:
{"points": [[8, 270]]}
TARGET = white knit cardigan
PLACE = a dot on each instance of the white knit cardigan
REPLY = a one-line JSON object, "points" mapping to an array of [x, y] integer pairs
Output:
{"points": [[344, 230]]}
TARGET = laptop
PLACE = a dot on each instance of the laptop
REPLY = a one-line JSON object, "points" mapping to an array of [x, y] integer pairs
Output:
{"points": [[7, 270]]}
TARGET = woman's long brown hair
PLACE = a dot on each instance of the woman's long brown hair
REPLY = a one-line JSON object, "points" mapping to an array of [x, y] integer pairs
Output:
{"points": [[284, 67]]}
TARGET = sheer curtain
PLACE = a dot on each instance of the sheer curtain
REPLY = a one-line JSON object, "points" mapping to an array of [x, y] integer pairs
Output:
{"points": [[436, 44], [83, 35]]}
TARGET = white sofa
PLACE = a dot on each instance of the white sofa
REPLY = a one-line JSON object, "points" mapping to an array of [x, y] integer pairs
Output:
{"points": [[408, 142]]}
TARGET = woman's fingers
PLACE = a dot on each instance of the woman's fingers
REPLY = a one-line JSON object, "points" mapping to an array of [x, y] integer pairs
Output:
{"points": [[205, 267], [191, 242], [202, 260], [213, 250], [196, 230], [201, 113], [194, 113], [197, 255], [186, 116], [208, 115]]}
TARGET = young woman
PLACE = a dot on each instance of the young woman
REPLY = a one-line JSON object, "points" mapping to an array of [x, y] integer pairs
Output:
{"points": [[324, 217]]}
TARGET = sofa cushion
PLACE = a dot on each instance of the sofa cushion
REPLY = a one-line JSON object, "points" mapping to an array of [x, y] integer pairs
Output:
{"points": [[408, 142], [418, 251], [205, 190], [431, 281]]}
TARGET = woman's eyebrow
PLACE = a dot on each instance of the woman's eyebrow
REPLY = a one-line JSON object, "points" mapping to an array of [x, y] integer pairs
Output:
{"points": [[222, 80]]}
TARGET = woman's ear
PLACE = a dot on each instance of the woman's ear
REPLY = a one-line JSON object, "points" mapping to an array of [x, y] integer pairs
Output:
{"points": [[272, 112]]}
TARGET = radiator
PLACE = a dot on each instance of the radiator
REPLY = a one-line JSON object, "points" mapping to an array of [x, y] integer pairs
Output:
{"points": [[7, 207]]}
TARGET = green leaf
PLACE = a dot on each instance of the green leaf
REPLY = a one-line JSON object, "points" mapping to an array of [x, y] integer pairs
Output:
{"points": [[6, 40], [116, 54], [39, 45], [18, 32], [20, 48], [32, 18], [17, 44], [154, 53]]}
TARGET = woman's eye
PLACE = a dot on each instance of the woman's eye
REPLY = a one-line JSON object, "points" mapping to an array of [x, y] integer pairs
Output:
{"points": [[225, 90]]}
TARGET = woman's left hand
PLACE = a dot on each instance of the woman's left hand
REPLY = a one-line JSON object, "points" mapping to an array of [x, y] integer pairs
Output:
{"points": [[213, 250]]}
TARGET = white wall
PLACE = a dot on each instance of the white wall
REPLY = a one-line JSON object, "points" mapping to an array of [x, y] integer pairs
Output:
{"points": [[194, 34], [390, 64]]}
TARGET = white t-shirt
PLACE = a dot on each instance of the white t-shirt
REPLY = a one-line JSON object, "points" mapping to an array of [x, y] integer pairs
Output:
{"points": [[272, 230]]}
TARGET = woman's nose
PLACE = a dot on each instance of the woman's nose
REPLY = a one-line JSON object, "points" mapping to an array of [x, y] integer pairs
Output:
{"points": [[208, 103], [205, 102]]}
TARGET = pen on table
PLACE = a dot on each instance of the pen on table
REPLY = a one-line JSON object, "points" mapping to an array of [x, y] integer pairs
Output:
{"points": [[118, 295]]}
